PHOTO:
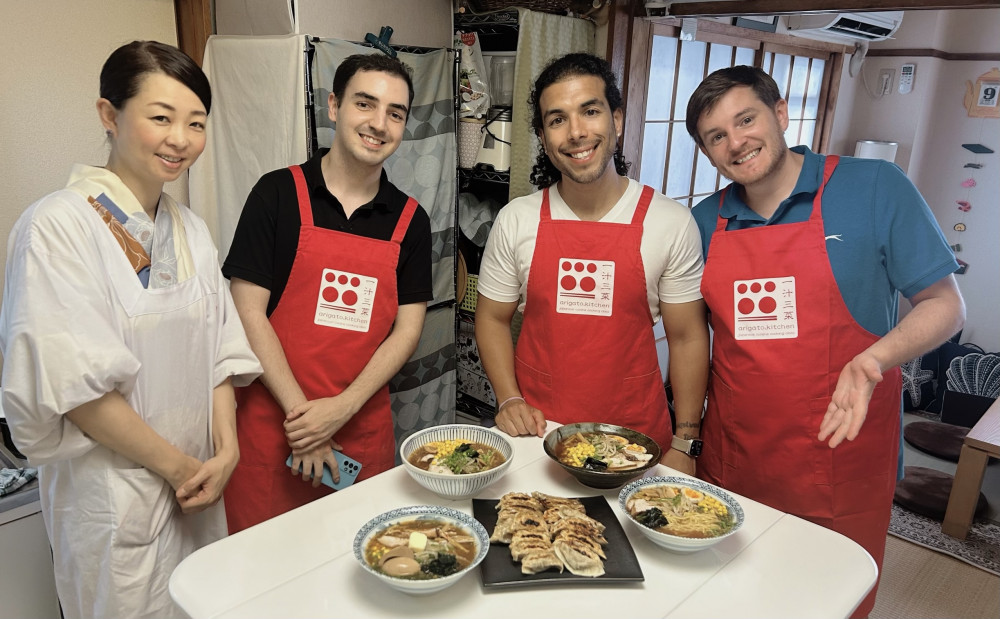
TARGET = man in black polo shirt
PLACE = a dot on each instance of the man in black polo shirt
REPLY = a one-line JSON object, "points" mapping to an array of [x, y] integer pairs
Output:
{"points": [[330, 270]]}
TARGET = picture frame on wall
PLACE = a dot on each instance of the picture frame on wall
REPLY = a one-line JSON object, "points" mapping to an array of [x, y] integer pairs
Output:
{"points": [[766, 23]]}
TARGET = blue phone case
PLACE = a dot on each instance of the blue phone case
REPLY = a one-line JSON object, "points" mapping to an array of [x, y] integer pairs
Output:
{"points": [[349, 469]]}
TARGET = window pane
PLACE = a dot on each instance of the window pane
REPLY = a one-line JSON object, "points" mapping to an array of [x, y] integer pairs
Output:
{"points": [[744, 55], [719, 56], [808, 132], [654, 152], [815, 84], [792, 133], [797, 91], [661, 78], [681, 164], [692, 72], [782, 63], [767, 62], [705, 179]]}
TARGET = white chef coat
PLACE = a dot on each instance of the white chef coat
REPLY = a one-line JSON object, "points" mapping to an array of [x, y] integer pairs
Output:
{"points": [[76, 323]]}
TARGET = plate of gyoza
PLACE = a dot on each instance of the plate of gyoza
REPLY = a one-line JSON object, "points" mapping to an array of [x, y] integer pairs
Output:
{"points": [[536, 538]]}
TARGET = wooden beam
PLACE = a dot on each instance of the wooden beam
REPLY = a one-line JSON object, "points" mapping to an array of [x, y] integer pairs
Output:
{"points": [[194, 25], [619, 38], [934, 53], [790, 7]]}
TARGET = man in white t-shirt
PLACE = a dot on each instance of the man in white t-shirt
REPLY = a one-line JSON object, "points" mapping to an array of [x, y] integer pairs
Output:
{"points": [[606, 258]]}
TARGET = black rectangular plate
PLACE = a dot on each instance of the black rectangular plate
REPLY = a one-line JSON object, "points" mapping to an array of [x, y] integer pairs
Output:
{"points": [[499, 570]]}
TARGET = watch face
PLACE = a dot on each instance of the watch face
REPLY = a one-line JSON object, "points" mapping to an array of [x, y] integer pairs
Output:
{"points": [[695, 448]]}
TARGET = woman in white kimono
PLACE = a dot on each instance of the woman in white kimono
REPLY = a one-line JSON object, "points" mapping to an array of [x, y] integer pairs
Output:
{"points": [[121, 347]]}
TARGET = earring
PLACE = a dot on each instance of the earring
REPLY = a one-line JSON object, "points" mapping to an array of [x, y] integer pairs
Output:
{"points": [[108, 133]]}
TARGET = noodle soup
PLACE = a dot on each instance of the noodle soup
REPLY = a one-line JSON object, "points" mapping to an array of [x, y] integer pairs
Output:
{"points": [[421, 549], [680, 510], [601, 451], [456, 457]]}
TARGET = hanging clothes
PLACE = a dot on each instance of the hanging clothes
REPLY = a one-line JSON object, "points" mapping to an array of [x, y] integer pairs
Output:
{"points": [[782, 335]]}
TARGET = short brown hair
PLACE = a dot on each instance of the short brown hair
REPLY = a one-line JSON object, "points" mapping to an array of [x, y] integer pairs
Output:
{"points": [[716, 85]]}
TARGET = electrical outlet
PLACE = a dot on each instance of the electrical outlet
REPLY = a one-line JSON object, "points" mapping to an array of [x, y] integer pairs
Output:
{"points": [[885, 81]]}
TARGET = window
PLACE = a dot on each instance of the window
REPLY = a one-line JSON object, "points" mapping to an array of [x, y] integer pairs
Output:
{"points": [[666, 71]]}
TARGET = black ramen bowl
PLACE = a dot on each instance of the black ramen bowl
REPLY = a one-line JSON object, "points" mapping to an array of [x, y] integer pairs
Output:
{"points": [[602, 479]]}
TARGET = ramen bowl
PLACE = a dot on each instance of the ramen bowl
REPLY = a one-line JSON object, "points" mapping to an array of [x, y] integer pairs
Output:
{"points": [[602, 479], [465, 485], [679, 543], [416, 514]]}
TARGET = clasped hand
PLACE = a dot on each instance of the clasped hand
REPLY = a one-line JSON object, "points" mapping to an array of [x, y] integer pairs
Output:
{"points": [[203, 487], [313, 423], [849, 404]]}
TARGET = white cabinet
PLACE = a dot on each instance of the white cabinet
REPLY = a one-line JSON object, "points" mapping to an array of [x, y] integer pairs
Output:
{"points": [[27, 583]]}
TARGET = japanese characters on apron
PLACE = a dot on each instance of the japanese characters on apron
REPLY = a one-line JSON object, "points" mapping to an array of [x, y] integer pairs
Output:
{"points": [[586, 350], [782, 335], [338, 306]]}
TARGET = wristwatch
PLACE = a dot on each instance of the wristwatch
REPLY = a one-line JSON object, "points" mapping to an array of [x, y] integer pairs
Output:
{"points": [[691, 447]]}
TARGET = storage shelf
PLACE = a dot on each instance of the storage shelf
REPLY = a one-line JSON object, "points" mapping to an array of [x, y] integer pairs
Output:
{"points": [[466, 176]]}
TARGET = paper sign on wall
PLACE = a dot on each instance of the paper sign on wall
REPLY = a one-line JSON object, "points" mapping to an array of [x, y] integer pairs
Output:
{"points": [[981, 98]]}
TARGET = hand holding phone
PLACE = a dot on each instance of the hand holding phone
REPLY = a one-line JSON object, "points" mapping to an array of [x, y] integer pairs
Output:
{"points": [[348, 467]]}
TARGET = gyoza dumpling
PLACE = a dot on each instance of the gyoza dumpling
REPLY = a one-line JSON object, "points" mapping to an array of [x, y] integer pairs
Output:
{"points": [[578, 558], [540, 561]]}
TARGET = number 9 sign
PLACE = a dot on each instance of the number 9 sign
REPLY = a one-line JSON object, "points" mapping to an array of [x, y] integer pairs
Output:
{"points": [[981, 98]]}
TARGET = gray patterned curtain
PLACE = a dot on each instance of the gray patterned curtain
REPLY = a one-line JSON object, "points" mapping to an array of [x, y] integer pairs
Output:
{"points": [[424, 166]]}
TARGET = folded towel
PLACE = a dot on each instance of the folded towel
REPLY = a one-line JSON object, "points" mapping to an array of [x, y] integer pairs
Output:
{"points": [[12, 479]]}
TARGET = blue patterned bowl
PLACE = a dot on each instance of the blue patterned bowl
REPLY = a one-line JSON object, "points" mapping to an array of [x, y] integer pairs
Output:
{"points": [[456, 486], [420, 512], [677, 543]]}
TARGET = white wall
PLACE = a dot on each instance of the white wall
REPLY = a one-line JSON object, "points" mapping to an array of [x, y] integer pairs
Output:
{"points": [[931, 124], [424, 23], [52, 53]]}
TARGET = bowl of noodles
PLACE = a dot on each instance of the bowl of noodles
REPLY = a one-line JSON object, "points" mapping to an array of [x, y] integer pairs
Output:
{"points": [[456, 461], [681, 514], [421, 549], [601, 455]]}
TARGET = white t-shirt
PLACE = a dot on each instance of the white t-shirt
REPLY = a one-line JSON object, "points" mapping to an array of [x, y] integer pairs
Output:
{"points": [[670, 248]]}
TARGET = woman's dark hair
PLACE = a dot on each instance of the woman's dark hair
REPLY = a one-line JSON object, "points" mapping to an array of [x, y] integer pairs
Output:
{"points": [[125, 68], [718, 83], [544, 174], [370, 62]]}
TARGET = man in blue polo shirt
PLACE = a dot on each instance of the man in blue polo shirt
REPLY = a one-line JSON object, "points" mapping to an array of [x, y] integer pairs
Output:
{"points": [[805, 257]]}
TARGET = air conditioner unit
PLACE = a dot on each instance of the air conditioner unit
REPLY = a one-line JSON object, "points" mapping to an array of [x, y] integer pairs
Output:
{"points": [[875, 26]]}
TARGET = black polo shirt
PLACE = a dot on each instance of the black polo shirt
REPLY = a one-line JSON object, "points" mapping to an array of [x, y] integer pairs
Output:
{"points": [[267, 235]]}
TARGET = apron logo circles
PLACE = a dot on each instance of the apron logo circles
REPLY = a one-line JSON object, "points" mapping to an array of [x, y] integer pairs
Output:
{"points": [[585, 287], [765, 309], [345, 300]]}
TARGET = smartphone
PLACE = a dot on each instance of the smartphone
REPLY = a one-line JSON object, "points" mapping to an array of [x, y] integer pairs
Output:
{"points": [[349, 469]]}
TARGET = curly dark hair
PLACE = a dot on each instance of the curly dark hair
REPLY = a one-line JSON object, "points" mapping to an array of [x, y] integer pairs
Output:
{"points": [[544, 173]]}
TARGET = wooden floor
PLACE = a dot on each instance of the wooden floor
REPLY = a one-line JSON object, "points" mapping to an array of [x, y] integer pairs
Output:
{"points": [[918, 583]]}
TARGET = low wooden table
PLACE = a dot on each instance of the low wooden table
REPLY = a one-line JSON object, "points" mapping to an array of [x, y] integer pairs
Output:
{"points": [[981, 444]]}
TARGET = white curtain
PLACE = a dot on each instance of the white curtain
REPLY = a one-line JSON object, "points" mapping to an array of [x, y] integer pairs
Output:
{"points": [[541, 37], [257, 124]]}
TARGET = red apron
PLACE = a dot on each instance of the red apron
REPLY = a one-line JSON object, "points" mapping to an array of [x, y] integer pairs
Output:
{"points": [[586, 351], [782, 334], [338, 306]]}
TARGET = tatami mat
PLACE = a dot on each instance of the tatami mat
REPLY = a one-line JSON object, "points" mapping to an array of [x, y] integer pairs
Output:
{"points": [[918, 583]]}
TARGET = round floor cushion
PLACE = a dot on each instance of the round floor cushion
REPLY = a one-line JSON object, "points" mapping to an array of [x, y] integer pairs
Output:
{"points": [[925, 491], [942, 440]]}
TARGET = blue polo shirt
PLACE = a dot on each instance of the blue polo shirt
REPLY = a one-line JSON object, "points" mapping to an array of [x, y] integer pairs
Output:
{"points": [[882, 238]]}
